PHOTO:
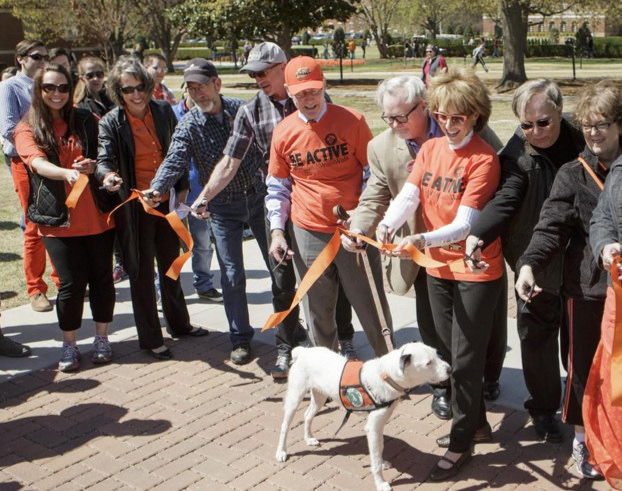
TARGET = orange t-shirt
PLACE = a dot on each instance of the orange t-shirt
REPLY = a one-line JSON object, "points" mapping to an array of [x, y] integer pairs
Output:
{"points": [[85, 218], [147, 147], [325, 160], [447, 179]]}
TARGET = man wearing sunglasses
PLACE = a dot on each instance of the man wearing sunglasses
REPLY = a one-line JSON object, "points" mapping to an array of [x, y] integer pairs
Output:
{"points": [[542, 143], [15, 98], [391, 156], [253, 127]]}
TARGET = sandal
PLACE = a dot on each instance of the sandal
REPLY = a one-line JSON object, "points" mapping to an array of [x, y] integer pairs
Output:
{"points": [[440, 474], [13, 349]]}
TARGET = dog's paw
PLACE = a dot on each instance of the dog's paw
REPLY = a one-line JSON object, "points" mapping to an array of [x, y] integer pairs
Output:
{"points": [[386, 465], [312, 442], [281, 455]]}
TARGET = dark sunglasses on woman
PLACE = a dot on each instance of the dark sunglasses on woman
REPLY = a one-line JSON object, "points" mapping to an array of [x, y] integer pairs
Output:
{"points": [[49, 88], [97, 74], [128, 89]]}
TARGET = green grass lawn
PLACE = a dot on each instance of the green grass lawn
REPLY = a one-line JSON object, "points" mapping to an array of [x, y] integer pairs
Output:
{"points": [[356, 90]]}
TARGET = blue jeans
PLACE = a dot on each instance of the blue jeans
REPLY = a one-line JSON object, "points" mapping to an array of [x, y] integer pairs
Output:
{"points": [[201, 231], [229, 212]]}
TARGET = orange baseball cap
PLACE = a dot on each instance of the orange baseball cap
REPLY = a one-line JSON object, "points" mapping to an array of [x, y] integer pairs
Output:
{"points": [[303, 73]]}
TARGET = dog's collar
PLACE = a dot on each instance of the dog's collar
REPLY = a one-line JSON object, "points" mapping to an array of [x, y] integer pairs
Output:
{"points": [[394, 385]]}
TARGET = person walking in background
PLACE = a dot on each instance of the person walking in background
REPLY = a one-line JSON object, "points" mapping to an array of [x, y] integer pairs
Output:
{"points": [[363, 46], [200, 228], [351, 48], [564, 225], [59, 143], [478, 55], [15, 97], [432, 64], [133, 139], [156, 66], [542, 143]]}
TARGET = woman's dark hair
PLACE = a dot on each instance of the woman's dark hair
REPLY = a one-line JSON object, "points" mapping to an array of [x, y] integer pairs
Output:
{"points": [[39, 116]]}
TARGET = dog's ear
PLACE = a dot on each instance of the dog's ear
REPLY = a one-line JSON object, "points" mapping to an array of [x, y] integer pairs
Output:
{"points": [[405, 359]]}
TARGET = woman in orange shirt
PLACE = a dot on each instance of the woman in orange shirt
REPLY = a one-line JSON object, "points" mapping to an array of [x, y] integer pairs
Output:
{"points": [[58, 144], [452, 179]]}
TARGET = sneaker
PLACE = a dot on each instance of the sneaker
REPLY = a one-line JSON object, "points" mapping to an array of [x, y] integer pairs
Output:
{"points": [[211, 294], [547, 428], [118, 274], [70, 360], [241, 354], [347, 349], [40, 303], [281, 367], [581, 455], [102, 352]]}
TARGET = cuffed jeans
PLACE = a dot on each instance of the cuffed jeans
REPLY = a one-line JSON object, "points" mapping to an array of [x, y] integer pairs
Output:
{"points": [[202, 252], [229, 211]]}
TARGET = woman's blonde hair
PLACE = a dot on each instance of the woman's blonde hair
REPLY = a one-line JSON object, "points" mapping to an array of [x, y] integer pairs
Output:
{"points": [[604, 98], [81, 90], [462, 91]]}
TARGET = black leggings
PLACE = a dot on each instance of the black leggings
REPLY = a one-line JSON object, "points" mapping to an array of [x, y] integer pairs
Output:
{"points": [[80, 261]]}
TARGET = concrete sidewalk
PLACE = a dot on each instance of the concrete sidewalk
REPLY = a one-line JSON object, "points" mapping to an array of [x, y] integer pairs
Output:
{"points": [[200, 422]]}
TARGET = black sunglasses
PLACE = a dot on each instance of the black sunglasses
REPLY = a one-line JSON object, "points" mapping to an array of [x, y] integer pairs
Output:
{"points": [[402, 118], [50, 88], [39, 57], [97, 74], [262, 73], [128, 89], [541, 123]]}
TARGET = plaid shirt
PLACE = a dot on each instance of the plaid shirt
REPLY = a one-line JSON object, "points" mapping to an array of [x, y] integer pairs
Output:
{"points": [[200, 136], [255, 123]]}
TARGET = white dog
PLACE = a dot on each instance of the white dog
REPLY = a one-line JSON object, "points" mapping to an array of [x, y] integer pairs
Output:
{"points": [[384, 379]]}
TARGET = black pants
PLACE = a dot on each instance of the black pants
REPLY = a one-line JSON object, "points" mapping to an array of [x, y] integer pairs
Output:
{"points": [[538, 329], [156, 239], [582, 319], [463, 314], [82, 261], [283, 291]]}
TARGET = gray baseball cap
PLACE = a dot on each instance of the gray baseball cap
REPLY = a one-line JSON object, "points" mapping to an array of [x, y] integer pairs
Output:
{"points": [[262, 56]]}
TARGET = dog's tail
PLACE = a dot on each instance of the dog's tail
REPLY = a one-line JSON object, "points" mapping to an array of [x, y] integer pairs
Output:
{"points": [[295, 352]]}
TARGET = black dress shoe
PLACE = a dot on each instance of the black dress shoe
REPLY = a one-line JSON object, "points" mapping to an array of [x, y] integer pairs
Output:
{"points": [[195, 332], [440, 474], [484, 434], [491, 390], [547, 428], [161, 355], [441, 407]]}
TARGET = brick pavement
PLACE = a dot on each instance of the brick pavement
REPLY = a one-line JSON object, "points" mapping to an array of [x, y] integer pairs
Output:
{"points": [[201, 423]]}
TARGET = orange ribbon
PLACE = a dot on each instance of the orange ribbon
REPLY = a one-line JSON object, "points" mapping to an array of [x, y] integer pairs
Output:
{"points": [[330, 251], [174, 221], [616, 350], [76, 191], [313, 273]]}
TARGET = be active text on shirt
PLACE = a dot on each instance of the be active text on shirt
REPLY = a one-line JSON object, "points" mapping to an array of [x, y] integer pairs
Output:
{"points": [[323, 157]]}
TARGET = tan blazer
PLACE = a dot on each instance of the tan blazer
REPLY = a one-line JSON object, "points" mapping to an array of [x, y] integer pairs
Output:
{"points": [[388, 157]]}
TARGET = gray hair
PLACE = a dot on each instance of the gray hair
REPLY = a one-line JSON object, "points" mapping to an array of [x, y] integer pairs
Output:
{"points": [[525, 92], [407, 88], [131, 66]]}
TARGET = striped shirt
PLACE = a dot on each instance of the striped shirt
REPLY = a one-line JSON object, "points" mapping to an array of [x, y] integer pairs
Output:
{"points": [[15, 99], [202, 137]]}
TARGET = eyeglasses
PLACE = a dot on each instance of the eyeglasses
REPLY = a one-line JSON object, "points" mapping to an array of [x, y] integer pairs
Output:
{"points": [[541, 123], [262, 73], [50, 88], [97, 74], [599, 127], [39, 57], [309, 92], [128, 89], [200, 87], [401, 118], [158, 68], [454, 119]]}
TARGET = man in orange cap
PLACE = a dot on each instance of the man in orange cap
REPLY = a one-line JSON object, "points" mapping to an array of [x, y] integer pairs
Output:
{"points": [[317, 158]]}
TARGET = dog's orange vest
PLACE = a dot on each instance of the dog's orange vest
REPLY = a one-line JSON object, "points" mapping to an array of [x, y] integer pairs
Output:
{"points": [[353, 394]]}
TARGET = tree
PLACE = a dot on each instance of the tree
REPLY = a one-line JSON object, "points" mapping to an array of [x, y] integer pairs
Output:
{"points": [[37, 21], [378, 15], [274, 20]]}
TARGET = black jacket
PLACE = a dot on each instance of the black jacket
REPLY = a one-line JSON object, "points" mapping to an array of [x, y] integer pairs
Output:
{"points": [[98, 108], [46, 205], [526, 180], [564, 225], [117, 154]]}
